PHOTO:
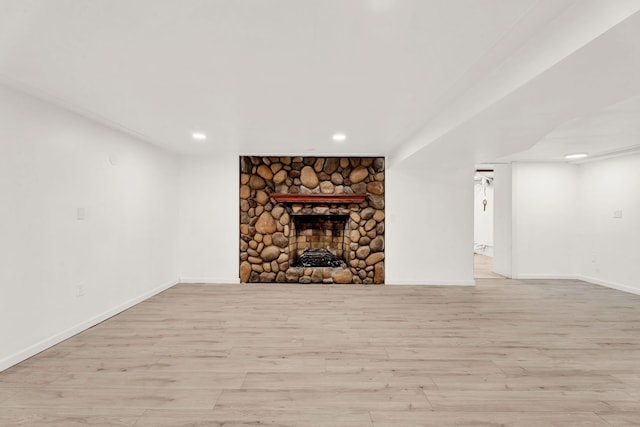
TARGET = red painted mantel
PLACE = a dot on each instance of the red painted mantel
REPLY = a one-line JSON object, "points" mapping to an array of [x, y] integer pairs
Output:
{"points": [[319, 198]]}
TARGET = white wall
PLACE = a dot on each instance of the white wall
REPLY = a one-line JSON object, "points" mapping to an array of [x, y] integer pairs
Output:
{"points": [[60, 275], [502, 219], [483, 218], [564, 223], [608, 247], [545, 215], [434, 208], [429, 226], [208, 244]]}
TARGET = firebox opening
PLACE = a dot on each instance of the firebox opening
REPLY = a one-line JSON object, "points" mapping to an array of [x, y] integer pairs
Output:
{"points": [[319, 240], [318, 257]]}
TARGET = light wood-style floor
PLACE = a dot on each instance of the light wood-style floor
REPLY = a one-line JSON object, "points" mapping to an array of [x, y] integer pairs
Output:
{"points": [[515, 353], [483, 267]]}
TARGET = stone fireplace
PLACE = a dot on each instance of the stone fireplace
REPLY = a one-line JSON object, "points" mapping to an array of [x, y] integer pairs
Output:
{"points": [[312, 219]]}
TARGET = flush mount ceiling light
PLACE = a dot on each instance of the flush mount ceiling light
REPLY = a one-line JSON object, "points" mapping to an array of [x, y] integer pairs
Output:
{"points": [[198, 136], [339, 137], [575, 156]]}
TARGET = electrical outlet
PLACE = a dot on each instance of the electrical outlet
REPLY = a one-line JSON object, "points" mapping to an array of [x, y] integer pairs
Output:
{"points": [[80, 290], [617, 214]]}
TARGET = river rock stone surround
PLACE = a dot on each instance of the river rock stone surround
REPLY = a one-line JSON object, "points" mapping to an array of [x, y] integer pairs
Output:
{"points": [[270, 242]]}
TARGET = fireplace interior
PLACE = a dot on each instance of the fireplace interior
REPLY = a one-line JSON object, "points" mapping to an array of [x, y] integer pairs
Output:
{"points": [[319, 240], [318, 257]]}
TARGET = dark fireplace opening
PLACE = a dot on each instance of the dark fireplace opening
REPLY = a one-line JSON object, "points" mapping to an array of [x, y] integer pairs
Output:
{"points": [[319, 240], [318, 257]]}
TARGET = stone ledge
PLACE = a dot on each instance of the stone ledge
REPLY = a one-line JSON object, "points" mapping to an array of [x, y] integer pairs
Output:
{"points": [[326, 275]]}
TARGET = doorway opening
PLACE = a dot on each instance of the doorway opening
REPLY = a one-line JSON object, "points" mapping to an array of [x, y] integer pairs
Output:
{"points": [[483, 224]]}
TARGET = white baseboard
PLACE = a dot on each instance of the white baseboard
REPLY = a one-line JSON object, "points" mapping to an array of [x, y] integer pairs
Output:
{"points": [[210, 280], [551, 276], [432, 283], [612, 285], [34, 349], [588, 279]]}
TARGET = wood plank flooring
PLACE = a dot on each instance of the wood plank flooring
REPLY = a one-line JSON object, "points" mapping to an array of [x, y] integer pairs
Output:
{"points": [[505, 353], [483, 267]]}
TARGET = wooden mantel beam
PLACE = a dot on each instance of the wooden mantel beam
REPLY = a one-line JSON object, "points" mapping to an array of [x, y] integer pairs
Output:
{"points": [[319, 198]]}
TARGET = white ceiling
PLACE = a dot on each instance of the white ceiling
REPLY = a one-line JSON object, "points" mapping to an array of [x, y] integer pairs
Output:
{"points": [[489, 79], [614, 129]]}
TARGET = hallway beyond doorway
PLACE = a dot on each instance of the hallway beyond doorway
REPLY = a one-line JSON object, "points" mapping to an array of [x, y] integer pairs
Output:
{"points": [[483, 267]]}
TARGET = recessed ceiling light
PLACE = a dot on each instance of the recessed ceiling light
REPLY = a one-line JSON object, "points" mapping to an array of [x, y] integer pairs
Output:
{"points": [[198, 136], [338, 137], [575, 156]]}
